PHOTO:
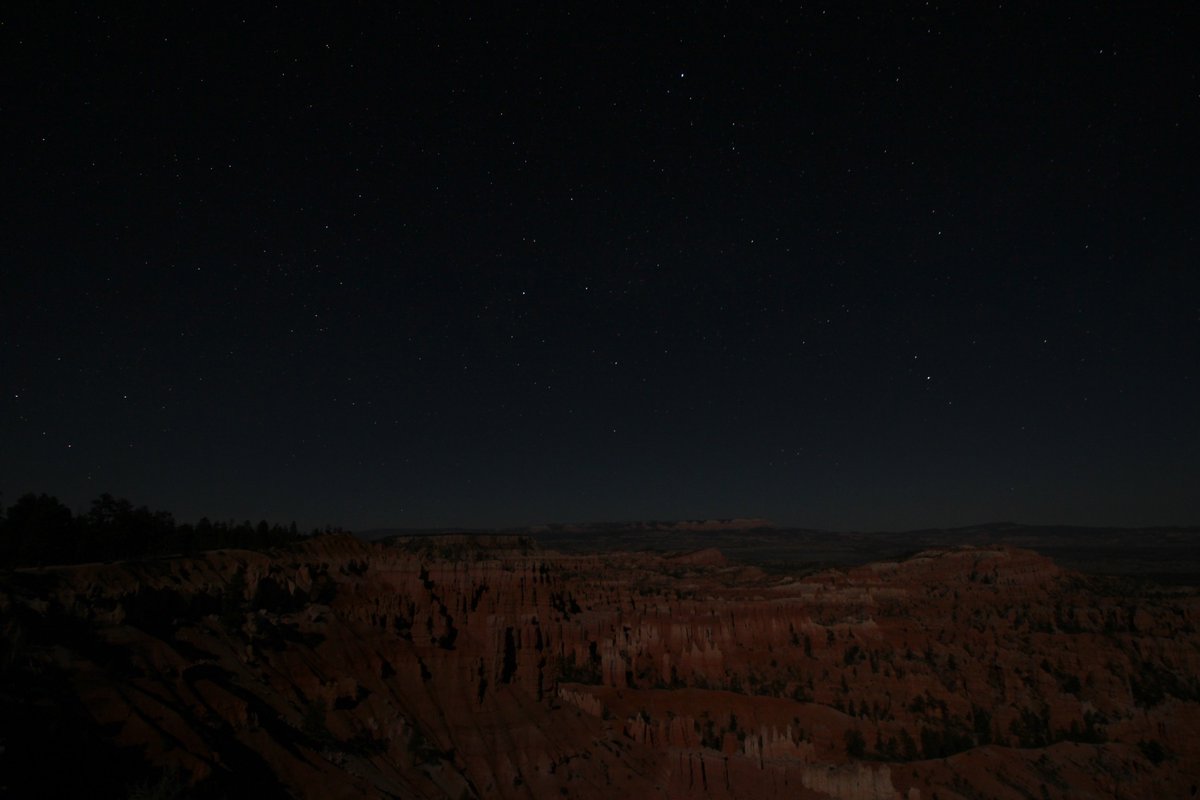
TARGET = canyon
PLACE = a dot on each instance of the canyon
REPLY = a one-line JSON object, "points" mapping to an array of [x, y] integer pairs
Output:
{"points": [[468, 666]]}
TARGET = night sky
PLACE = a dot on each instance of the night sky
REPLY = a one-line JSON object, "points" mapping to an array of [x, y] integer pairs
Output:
{"points": [[834, 267]]}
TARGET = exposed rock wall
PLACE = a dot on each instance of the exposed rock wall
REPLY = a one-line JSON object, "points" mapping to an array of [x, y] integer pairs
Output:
{"points": [[484, 667]]}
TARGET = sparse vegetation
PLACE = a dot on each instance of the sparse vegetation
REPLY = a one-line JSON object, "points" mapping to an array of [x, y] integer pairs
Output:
{"points": [[1153, 750], [170, 784], [638, 684], [38, 529]]}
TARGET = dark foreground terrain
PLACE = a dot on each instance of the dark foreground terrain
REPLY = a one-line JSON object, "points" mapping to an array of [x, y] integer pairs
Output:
{"points": [[456, 666]]}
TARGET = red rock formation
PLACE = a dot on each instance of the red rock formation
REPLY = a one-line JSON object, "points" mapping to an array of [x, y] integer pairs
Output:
{"points": [[483, 667]]}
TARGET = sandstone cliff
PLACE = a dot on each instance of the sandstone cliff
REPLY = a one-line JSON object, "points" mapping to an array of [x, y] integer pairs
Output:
{"points": [[485, 667]]}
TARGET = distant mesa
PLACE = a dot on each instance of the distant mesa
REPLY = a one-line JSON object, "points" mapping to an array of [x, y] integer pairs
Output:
{"points": [[708, 557], [1164, 554], [688, 525], [732, 525]]}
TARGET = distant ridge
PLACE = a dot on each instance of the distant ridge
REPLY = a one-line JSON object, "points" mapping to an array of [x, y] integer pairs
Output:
{"points": [[733, 524], [1166, 553], [690, 525], [932, 535]]}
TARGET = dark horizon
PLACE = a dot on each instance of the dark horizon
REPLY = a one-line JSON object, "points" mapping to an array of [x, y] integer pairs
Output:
{"points": [[82, 508], [442, 268]]}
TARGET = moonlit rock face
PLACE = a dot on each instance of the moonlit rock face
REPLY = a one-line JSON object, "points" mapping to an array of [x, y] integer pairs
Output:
{"points": [[438, 666]]}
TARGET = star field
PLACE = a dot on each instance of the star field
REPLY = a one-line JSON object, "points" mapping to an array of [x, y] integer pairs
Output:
{"points": [[441, 267]]}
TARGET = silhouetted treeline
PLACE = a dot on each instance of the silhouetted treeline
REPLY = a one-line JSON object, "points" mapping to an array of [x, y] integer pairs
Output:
{"points": [[38, 530]]}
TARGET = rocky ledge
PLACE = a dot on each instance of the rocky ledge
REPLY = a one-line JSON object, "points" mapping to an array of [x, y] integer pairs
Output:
{"points": [[457, 666]]}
